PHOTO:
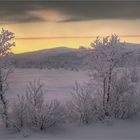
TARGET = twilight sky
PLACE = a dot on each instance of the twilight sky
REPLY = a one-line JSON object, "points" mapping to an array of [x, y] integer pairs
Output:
{"points": [[41, 24]]}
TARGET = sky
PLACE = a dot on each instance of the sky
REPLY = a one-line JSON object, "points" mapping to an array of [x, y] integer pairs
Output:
{"points": [[47, 24]]}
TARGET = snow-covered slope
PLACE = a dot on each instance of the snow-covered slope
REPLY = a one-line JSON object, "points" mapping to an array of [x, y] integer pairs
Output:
{"points": [[45, 52], [132, 46], [60, 57], [58, 84], [60, 50]]}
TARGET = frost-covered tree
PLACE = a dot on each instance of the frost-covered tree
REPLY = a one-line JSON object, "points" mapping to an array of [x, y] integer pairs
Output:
{"points": [[5, 50], [105, 56], [124, 97], [19, 113], [32, 111], [42, 114], [83, 107]]}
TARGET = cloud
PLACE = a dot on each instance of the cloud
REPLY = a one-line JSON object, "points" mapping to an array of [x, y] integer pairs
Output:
{"points": [[102, 10], [18, 12], [22, 11]]}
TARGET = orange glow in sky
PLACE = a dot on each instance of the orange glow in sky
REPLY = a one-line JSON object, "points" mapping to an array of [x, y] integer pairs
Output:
{"points": [[43, 35], [50, 33]]}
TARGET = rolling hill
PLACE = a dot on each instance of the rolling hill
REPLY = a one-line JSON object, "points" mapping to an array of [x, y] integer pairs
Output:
{"points": [[61, 57]]}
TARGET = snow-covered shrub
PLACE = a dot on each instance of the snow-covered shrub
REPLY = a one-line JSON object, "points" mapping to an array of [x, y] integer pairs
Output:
{"points": [[124, 101], [134, 74], [32, 111], [49, 115], [35, 93], [83, 107], [19, 113]]}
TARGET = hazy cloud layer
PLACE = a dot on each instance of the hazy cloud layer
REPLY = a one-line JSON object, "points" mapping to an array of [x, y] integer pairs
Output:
{"points": [[20, 12]]}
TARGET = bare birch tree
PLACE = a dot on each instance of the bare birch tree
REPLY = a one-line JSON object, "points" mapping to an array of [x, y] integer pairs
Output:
{"points": [[104, 58], [5, 68]]}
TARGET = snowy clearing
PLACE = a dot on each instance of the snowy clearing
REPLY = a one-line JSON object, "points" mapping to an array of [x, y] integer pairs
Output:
{"points": [[118, 130], [57, 83]]}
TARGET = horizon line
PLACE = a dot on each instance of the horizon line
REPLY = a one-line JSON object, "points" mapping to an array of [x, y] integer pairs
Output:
{"points": [[72, 37]]}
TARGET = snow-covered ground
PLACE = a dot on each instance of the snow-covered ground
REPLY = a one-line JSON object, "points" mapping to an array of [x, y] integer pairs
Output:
{"points": [[59, 84], [118, 130]]}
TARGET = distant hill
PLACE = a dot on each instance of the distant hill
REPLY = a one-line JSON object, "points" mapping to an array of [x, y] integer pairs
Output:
{"points": [[132, 46], [44, 53], [61, 57]]}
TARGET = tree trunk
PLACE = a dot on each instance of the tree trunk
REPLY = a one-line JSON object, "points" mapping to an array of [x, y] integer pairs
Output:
{"points": [[4, 102], [1, 86], [107, 113], [104, 92], [109, 85]]}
